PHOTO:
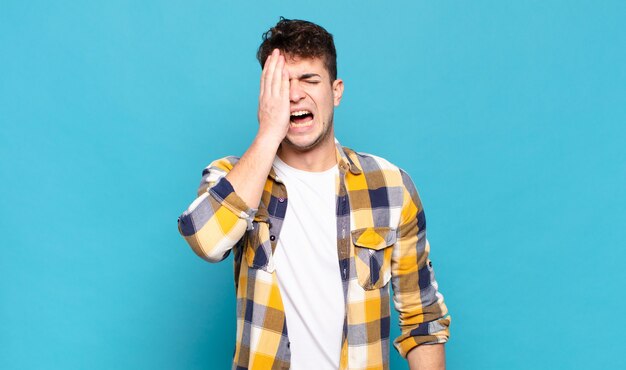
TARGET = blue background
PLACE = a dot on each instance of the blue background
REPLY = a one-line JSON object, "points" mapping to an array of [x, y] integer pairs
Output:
{"points": [[509, 115]]}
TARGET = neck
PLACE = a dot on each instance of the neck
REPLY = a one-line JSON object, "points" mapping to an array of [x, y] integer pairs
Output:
{"points": [[320, 158]]}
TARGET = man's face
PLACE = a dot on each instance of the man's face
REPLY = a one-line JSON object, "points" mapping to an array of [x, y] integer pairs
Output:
{"points": [[312, 101]]}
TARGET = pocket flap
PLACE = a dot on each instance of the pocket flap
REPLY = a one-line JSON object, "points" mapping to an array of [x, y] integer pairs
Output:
{"points": [[375, 238]]}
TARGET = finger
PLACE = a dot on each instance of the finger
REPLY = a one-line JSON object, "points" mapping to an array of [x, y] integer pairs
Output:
{"points": [[284, 88], [267, 77], [278, 73], [270, 72], [263, 73]]}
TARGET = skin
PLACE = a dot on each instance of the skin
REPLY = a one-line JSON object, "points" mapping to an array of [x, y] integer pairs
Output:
{"points": [[427, 357], [287, 85]]}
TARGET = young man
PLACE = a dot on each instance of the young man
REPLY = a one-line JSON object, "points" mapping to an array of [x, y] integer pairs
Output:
{"points": [[317, 230]]}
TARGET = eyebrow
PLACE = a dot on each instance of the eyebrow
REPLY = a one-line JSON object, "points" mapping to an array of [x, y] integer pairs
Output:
{"points": [[308, 75]]}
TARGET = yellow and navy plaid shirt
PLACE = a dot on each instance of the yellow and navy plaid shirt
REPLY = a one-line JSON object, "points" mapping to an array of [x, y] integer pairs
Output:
{"points": [[381, 237]]}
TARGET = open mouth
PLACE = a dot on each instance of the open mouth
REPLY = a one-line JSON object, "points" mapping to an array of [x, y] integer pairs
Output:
{"points": [[301, 118]]}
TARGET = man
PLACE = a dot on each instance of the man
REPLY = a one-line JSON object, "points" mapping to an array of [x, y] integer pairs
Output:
{"points": [[317, 230]]}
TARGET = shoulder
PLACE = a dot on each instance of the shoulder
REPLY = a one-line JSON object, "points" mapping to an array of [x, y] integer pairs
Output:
{"points": [[371, 164], [374, 167]]}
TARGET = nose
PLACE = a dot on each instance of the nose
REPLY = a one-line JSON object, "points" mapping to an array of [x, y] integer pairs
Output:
{"points": [[295, 91]]}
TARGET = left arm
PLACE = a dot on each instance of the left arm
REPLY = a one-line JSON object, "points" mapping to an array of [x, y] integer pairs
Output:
{"points": [[422, 312]]}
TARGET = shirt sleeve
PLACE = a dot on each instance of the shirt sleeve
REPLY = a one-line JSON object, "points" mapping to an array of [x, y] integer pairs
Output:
{"points": [[422, 312], [218, 218]]}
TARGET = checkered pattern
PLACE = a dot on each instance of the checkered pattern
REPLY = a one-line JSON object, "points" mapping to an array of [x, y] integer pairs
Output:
{"points": [[381, 237]]}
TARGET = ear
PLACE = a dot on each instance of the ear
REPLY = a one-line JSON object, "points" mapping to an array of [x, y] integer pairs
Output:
{"points": [[337, 91]]}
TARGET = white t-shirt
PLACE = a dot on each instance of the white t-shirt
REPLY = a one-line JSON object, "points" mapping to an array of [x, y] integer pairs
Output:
{"points": [[307, 268]]}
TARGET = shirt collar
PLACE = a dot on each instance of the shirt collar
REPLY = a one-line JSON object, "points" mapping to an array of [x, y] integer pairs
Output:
{"points": [[344, 161]]}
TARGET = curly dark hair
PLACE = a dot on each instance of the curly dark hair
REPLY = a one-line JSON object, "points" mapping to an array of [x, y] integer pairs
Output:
{"points": [[299, 38]]}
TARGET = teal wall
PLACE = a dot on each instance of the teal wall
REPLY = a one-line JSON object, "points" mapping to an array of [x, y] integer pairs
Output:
{"points": [[509, 115]]}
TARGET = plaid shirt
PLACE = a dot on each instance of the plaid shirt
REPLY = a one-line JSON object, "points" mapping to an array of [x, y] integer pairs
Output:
{"points": [[381, 236]]}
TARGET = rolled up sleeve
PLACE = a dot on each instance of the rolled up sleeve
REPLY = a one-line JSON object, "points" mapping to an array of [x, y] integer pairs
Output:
{"points": [[218, 218]]}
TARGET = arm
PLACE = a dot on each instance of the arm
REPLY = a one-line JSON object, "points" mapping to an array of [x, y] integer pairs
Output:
{"points": [[422, 312], [427, 357], [249, 175], [220, 215]]}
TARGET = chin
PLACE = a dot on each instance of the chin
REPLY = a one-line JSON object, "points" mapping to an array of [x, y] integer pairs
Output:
{"points": [[301, 145]]}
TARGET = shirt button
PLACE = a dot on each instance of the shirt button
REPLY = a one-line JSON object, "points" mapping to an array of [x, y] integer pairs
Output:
{"points": [[272, 237], [281, 199]]}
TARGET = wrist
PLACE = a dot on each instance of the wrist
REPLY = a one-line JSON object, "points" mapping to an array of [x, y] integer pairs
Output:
{"points": [[271, 141]]}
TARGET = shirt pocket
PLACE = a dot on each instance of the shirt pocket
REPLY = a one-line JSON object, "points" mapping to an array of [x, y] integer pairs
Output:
{"points": [[258, 247], [372, 254]]}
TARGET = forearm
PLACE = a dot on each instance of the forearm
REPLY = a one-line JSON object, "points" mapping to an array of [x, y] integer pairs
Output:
{"points": [[249, 175], [427, 357]]}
